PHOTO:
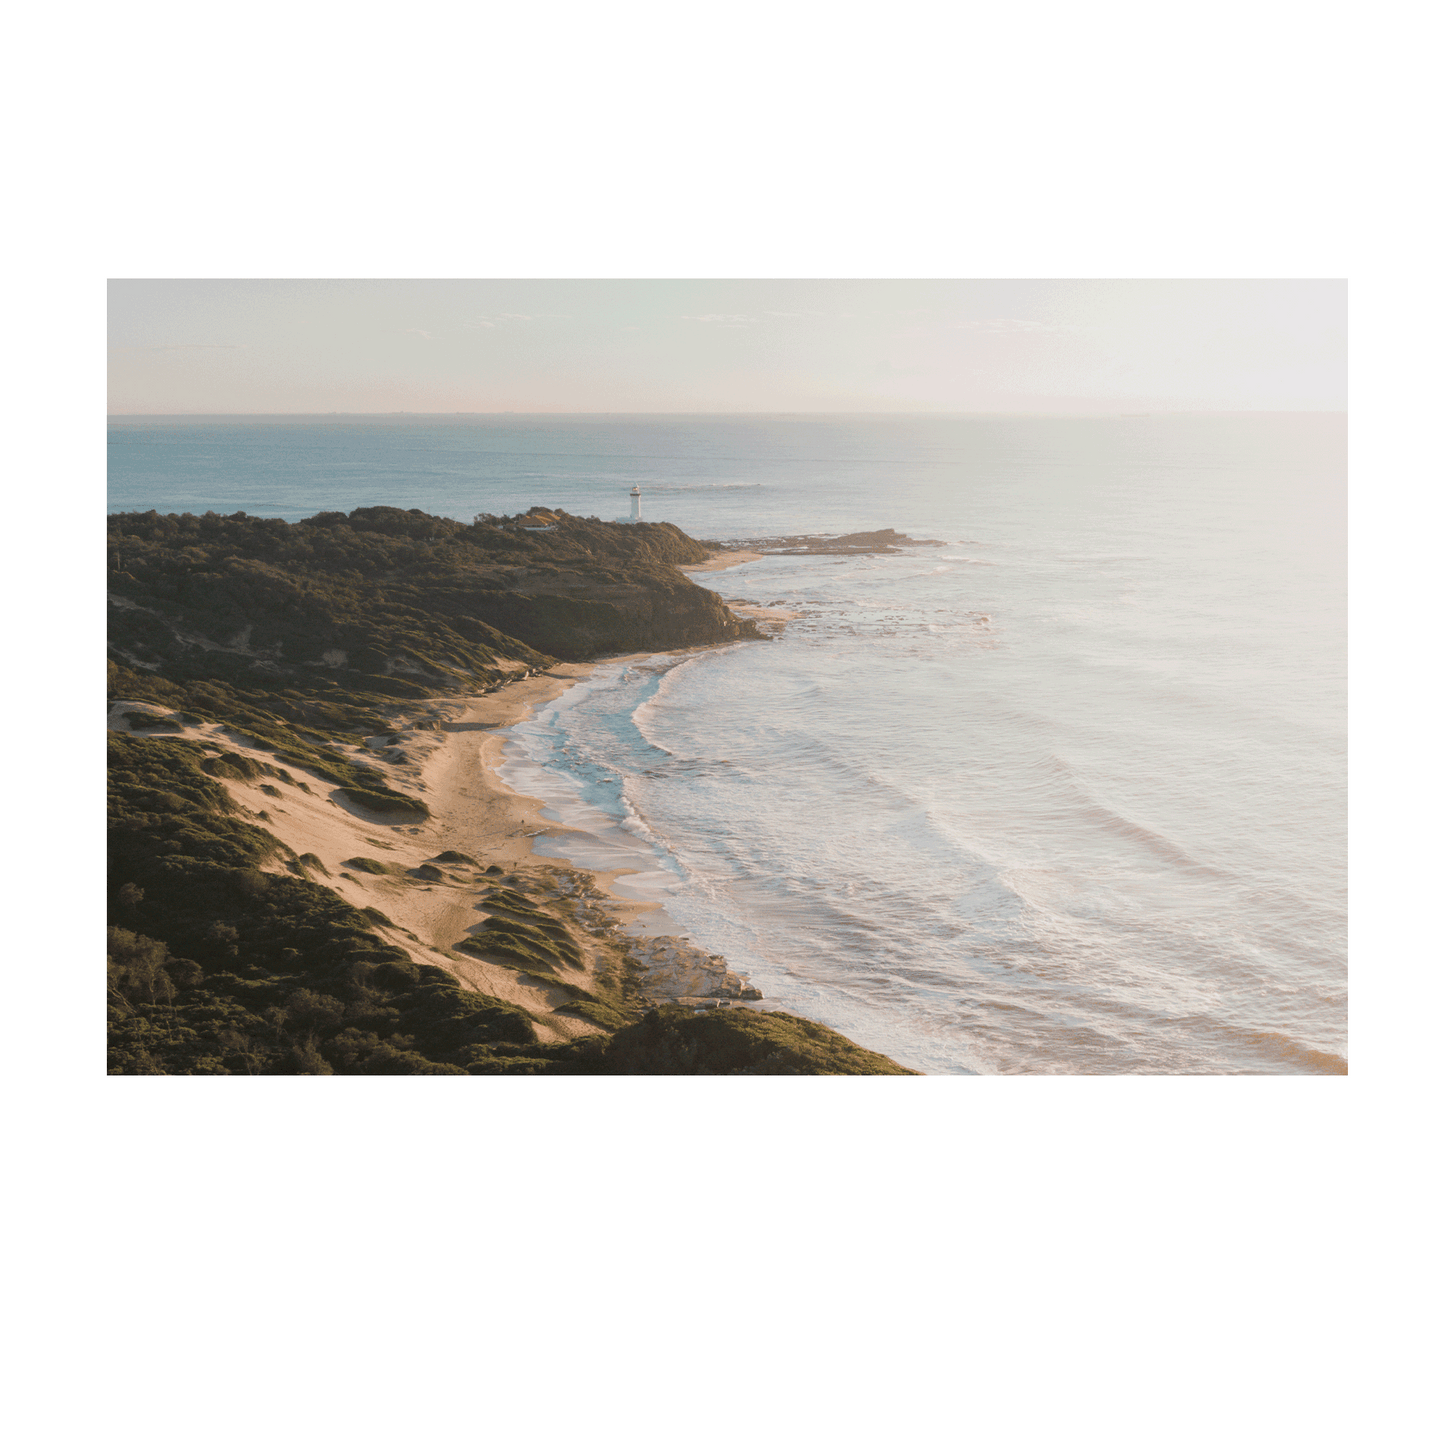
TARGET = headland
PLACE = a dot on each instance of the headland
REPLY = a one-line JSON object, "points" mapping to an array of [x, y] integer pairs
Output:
{"points": [[314, 866]]}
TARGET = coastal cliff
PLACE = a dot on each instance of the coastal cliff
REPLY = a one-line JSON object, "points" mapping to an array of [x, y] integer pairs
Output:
{"points": [[312, 869]]}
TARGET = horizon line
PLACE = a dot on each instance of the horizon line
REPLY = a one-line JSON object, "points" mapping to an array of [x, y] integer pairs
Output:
{"points": [[1156, 411]]}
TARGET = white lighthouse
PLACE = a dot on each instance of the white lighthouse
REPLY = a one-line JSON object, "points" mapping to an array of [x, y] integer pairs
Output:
{"points": [[636, 504]]}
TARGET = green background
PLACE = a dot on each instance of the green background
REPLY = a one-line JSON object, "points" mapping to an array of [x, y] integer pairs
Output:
{"points": [[714, 1286]]}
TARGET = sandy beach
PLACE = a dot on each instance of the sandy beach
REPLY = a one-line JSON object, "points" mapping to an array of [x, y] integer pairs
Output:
{"points": [[448, 759], [721, 560]]}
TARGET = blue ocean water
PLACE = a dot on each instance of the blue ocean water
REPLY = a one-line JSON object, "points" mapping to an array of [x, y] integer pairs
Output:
{"points": [[1066, 794]]}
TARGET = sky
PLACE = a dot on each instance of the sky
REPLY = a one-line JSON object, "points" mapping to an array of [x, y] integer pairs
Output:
{"points": [[1055, 346]]}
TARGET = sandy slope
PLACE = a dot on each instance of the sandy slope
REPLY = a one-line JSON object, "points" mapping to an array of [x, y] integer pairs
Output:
{"points": [[445, 761]]}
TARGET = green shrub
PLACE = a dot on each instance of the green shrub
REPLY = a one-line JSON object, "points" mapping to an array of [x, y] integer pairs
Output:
{"points": [[235, 765], [521, 954], [370, 865], [136, 967], [594, 1011], [395, 806]]}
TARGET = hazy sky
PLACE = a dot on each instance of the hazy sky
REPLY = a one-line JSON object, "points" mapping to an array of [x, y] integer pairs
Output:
{"points": [[699, 346]]}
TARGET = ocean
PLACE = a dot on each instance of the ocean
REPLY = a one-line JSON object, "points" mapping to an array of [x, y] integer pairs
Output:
{"points": [[1065, 794]]}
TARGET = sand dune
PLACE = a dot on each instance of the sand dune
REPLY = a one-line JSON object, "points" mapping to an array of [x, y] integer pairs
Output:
{"points": [[446, 759]]}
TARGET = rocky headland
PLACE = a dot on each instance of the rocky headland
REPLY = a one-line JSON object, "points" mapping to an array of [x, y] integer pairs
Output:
{"points": [[850, 544], [313, 866]]}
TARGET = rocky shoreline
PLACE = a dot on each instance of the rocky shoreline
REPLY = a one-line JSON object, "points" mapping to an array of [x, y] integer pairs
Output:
{"points": [[851, 544], [670, 967]]}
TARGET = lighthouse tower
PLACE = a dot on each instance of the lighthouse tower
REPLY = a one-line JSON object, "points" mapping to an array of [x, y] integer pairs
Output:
{"points": [[636, 504]]}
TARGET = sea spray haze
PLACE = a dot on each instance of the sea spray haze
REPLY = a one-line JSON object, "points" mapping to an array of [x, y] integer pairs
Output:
{"points": [[1063, 795]]}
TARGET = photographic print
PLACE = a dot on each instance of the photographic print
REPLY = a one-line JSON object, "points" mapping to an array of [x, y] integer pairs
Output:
{"points": [[893, 677]]}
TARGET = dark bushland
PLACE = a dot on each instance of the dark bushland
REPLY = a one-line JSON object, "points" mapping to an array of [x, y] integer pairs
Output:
{"points": [[675, 1040], [392, 605]]}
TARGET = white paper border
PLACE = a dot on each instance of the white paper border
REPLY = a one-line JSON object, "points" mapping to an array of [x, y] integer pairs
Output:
{"points": [[85, 1097]]}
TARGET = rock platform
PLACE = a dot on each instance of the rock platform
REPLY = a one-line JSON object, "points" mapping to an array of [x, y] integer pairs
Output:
{"points": [[673, 968]]}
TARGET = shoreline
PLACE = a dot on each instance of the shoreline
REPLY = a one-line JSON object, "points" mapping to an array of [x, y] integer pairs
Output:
{"points": [[771, 619], [379, 852], [722, 558]]}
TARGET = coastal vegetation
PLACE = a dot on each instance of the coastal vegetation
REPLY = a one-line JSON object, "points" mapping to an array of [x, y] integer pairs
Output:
{"points": [[320, 645]]}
